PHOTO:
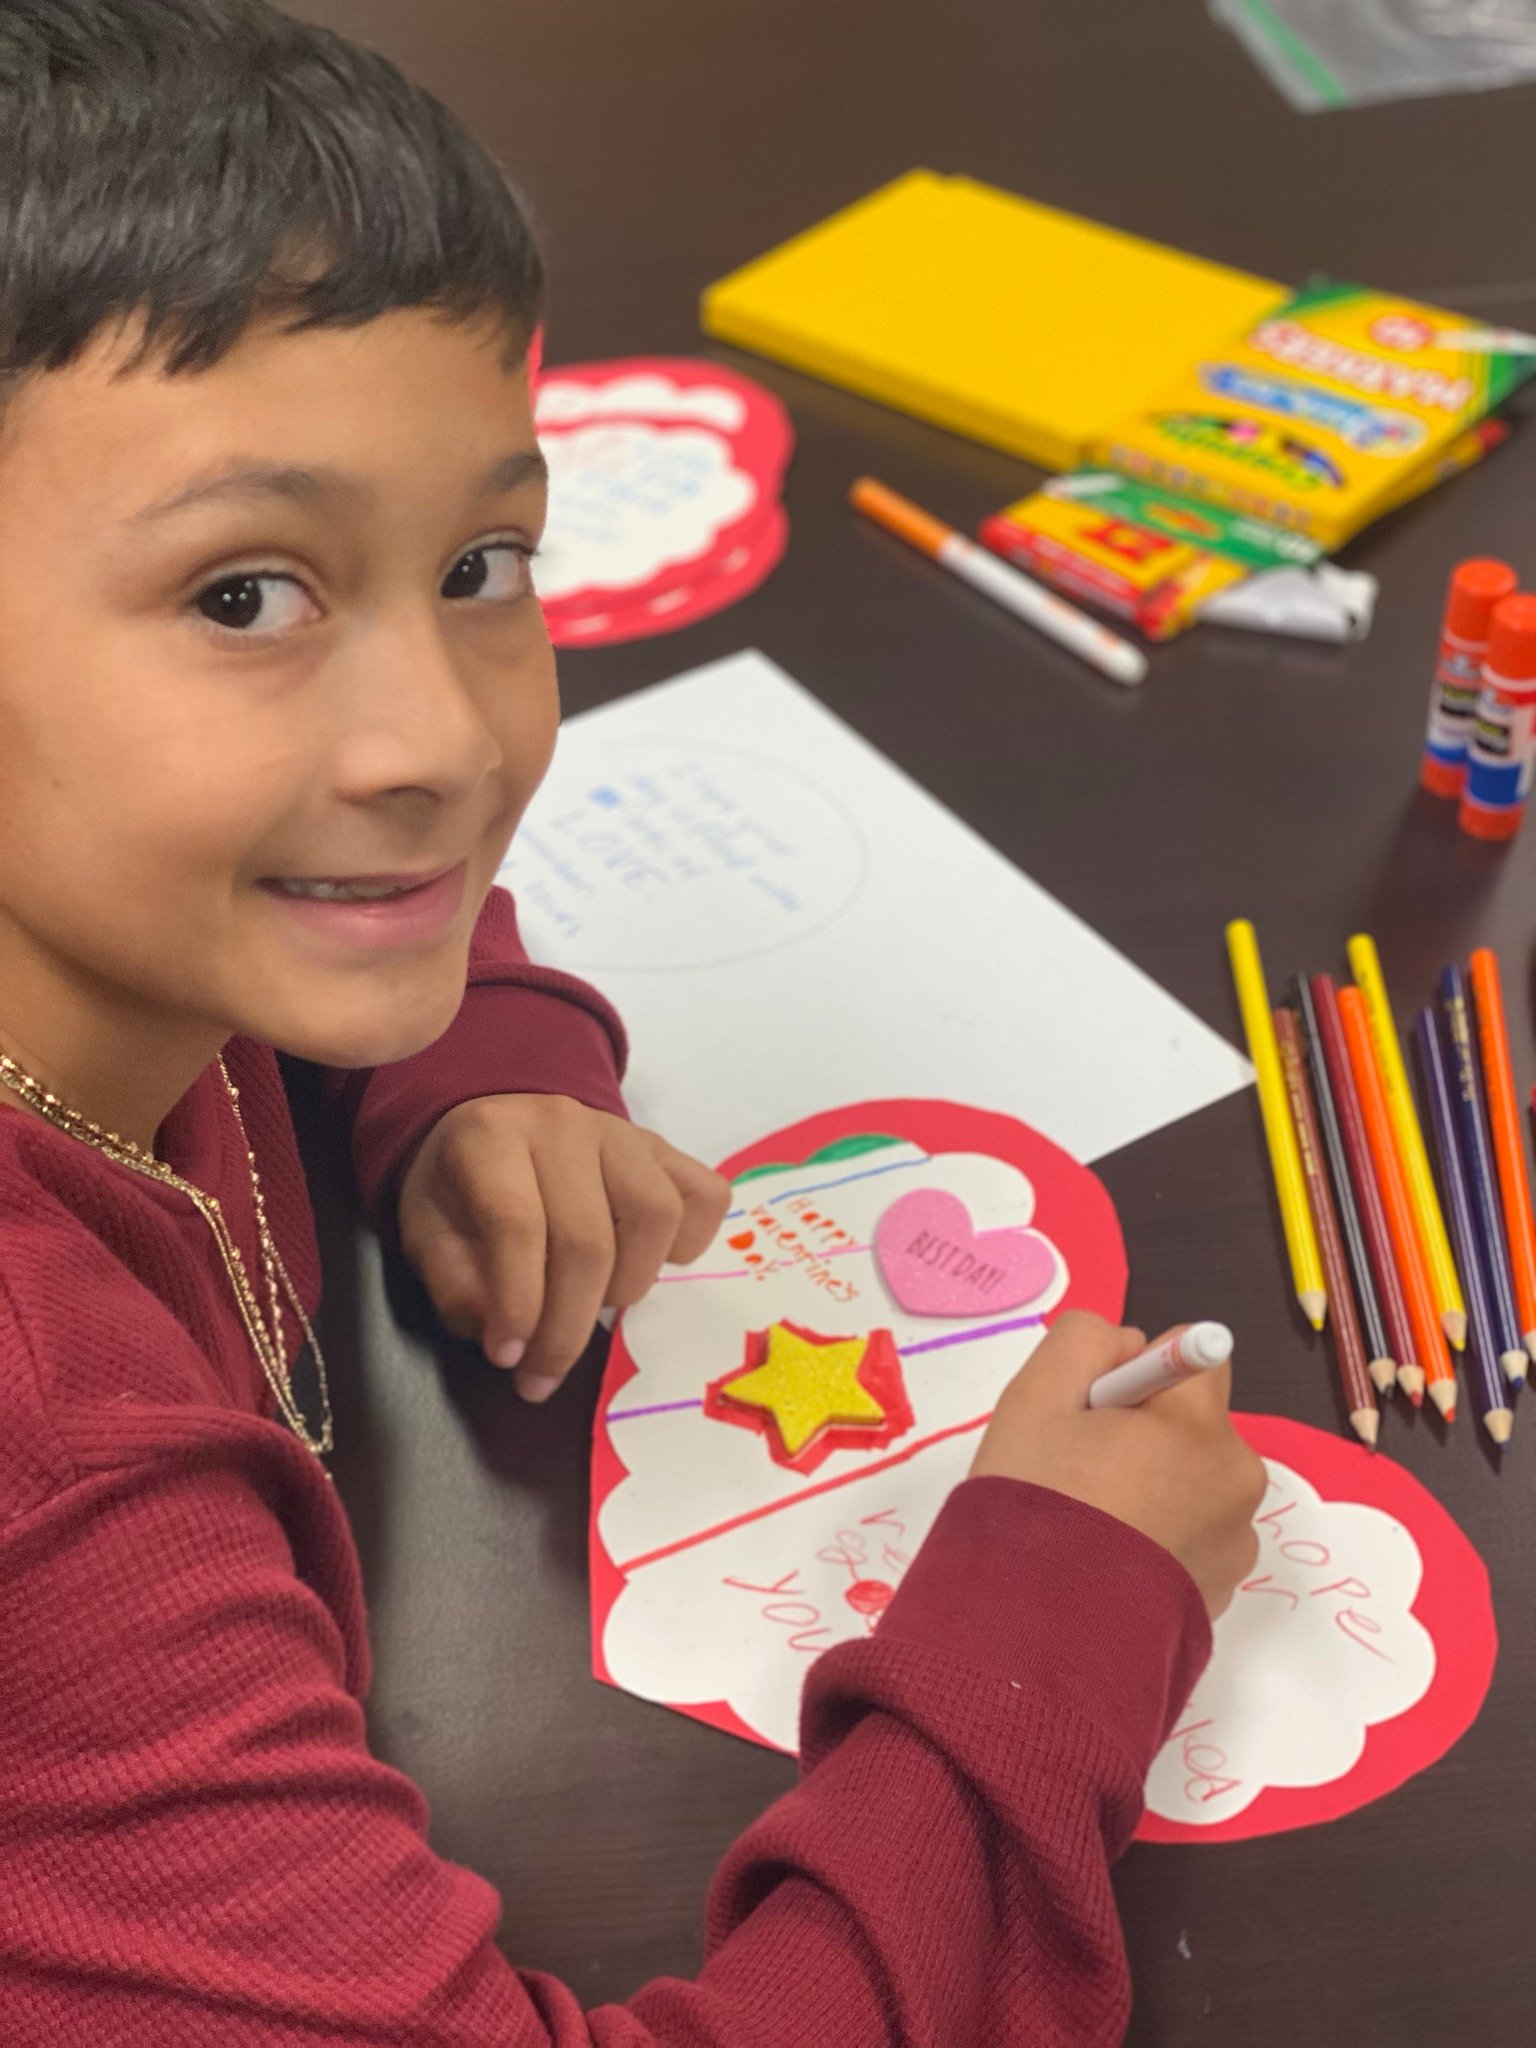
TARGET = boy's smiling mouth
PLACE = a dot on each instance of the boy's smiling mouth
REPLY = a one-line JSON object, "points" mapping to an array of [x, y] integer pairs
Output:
{"points": [[418, 914], [354, 887]]}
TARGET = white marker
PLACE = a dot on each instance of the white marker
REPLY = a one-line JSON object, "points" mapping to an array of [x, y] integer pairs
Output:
{"points": [[1198, 1347], [978, 566]]}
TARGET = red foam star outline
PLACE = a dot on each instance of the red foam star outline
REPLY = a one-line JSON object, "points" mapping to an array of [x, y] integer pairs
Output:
{"points": [[878, 1373]]}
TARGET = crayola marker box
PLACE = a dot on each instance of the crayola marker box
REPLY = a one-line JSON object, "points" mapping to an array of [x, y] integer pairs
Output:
{"points": [[1316, 418], [1155, 581], [1156, 559]]}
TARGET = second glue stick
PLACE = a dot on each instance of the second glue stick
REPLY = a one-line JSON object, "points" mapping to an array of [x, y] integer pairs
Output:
{"points": [[1476, 587], [1197, 1348], [1502, 745]]}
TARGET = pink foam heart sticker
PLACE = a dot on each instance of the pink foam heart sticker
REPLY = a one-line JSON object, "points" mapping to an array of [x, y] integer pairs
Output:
{"points": [[936, 1262]]}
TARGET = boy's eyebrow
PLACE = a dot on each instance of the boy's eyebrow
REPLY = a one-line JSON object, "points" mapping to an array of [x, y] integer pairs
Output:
{"points": [[315, 488]]}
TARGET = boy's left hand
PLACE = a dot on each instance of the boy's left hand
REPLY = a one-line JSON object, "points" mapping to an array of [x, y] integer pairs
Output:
{"points": [[526, 1214]]}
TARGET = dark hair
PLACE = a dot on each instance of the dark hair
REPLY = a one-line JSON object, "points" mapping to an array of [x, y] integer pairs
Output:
{"points": [[208, 163]]}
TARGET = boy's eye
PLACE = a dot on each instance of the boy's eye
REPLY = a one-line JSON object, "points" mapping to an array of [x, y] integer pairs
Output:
{"points": [[499, 572], [249, 600]]}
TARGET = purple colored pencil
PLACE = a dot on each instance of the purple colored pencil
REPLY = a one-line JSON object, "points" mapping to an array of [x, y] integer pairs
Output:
{"points": [[1482, 1354], [1482, 1175]]}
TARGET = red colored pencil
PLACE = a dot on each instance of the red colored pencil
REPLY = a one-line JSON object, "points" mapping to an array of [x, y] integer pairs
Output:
{"points": [[1348, 1340], [1373, 1218], [1429, 1337]]}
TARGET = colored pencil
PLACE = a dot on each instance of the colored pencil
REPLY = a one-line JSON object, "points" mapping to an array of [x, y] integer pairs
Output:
{"points": [[1409, 1139], [1477, 1162], [1485, 1374], [1381, 1364], [1348, 1343], [1508, 1144], [1373, 1217], [1279, 1131], [1428, 1337]]}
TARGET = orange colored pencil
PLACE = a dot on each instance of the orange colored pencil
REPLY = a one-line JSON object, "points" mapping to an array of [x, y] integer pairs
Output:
{"points": [[1508, 1146], [1434, 1353]]}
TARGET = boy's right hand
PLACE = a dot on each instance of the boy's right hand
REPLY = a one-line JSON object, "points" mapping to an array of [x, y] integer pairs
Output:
{"points": [[1174, 1468]]}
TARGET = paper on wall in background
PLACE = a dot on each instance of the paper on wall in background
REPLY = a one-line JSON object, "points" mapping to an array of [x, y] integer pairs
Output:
{"points": [[664, 479], [1323, 53], [786, 920]]}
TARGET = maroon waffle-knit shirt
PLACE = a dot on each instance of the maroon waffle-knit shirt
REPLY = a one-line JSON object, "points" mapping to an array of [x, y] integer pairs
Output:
{"points": [[196, 1848]]}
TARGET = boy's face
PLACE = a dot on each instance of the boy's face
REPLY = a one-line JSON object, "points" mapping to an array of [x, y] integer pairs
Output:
{"points": [[336, 669]]}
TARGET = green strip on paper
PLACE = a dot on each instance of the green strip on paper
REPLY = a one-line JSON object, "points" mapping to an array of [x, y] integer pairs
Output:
{"points": [[829, 1155]]}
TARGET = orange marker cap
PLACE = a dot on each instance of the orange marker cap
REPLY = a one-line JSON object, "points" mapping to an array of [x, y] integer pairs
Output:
{"points": [[1476, 587], [1512, 639], [899, 515]]}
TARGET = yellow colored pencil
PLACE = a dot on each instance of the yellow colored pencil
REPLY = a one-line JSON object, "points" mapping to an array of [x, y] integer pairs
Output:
{"points": [[1429, 1222], [1279, 1130]]}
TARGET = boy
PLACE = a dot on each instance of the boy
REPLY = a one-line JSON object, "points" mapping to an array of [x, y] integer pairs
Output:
{"points": [[274, 692]]}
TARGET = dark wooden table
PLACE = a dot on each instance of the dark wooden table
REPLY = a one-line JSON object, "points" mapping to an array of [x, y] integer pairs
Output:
{"points": [[662, 144]]}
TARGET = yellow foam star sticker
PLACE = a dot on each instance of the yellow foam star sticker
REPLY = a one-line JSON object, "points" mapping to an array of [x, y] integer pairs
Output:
{"points": [[805, 1386]]}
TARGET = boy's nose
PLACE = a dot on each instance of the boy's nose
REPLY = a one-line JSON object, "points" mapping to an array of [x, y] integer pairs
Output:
{"points": [[416, 719]]}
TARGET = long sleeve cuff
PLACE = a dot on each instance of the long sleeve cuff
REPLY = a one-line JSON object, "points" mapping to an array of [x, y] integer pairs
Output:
{"points": [[508, 1038], [1061, 1601]]}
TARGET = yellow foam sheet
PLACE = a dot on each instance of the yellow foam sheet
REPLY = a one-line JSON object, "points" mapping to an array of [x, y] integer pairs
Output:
{"points": [[1014, 323]]}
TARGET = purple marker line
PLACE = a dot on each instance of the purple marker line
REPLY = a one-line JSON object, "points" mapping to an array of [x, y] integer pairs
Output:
{"points": [[845, 1180], [661, 1408], [969, 1336], [903, 1351]]}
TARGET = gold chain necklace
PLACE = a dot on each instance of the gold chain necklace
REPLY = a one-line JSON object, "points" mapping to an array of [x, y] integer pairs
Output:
{"points": [[269, 1345]]}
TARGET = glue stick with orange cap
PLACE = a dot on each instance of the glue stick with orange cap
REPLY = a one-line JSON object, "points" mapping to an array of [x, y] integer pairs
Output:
{"points": [[1502, 746], [1476, 587]]}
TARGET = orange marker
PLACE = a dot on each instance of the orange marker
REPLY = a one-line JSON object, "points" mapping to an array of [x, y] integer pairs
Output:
{"points": [[1429, 1339], [1508, 1146], [1027, 600]]}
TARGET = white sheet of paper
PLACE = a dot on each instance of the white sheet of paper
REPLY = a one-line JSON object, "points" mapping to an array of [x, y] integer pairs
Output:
{"points": [[786, 921]]}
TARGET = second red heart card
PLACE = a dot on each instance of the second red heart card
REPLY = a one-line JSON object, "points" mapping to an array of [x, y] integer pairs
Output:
{"points": [[664, 501]]}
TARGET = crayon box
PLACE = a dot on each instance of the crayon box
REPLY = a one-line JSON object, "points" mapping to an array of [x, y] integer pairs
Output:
{"points": [[1315, 417]]}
